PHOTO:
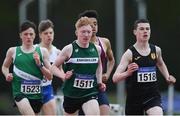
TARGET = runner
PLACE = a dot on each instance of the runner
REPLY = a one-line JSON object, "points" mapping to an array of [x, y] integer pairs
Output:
{"points": [[107, 59], [83, 69], [30, 66], [141, 61], [46, 34]]}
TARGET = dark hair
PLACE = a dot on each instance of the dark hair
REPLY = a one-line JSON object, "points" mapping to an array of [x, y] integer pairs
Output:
{"points": [[45, 24], [139, 21], [89, 14], [26, 25]]}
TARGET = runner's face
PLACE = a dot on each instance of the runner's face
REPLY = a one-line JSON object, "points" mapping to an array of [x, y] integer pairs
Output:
{"points": [[94, 26], [47, 36], [142, 32], [28, 36], [84, 34]]}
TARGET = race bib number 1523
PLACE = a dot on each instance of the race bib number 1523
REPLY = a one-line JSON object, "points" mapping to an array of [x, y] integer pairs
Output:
{"points": [[31, 87]]}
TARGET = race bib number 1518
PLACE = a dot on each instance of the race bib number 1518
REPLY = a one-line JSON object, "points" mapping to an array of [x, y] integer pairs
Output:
{"points": [[146, 74]]}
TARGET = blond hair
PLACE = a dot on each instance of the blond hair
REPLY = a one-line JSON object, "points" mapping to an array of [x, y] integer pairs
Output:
{"points": [[83, 21]]}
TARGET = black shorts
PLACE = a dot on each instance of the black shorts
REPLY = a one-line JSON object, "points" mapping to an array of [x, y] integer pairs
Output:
{"points": [[36, 104], [71, 105], [139, 108]]}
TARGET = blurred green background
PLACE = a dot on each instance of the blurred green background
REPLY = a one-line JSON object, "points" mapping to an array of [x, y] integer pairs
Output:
{"points": [[164, 16]]}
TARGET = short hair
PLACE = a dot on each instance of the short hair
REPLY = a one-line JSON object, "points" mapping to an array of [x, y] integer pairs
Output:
{"points": [[140, 21], [45, 24], [83, 21], [26, 25], [89, 14]]}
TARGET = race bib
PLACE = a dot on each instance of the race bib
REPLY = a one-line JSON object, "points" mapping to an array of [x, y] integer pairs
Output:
{"points": [[84, 81], [31, 86], [146, 74]]}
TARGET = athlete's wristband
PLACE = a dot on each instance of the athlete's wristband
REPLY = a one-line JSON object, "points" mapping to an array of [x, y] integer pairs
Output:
{"points": [[41, 65]]}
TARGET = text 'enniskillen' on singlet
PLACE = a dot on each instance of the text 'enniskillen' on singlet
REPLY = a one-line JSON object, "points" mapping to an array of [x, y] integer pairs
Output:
{"points": [[84, 62]]}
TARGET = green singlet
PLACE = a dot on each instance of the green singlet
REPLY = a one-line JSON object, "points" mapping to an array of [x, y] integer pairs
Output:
{"points": [[84, 62]]}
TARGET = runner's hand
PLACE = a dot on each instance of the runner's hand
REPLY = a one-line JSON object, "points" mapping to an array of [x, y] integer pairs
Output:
{"points": [[171, 79], [102, 86], [68, 74], [36, 58], [9, 77], [132, 67], [104, 78]]}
